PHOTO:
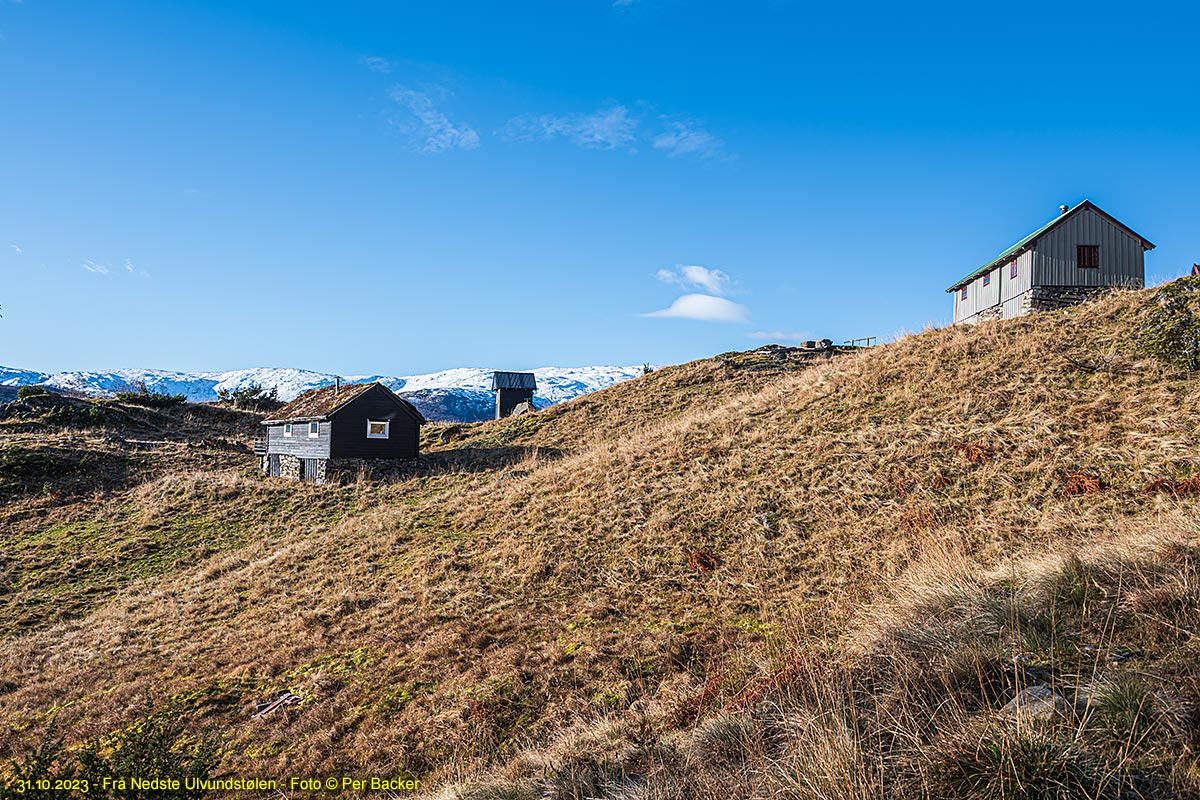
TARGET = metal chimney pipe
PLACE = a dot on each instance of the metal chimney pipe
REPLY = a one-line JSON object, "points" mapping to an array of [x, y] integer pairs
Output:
{"points": [[337, 384]]}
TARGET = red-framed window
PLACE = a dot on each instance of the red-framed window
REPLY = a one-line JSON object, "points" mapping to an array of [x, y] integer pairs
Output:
{"points": [[1012, 269], [987, 278], [963, 295], [1087, 256]]}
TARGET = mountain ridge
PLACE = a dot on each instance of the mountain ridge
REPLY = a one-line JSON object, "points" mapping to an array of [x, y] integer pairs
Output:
{"points": [[461, 394]]}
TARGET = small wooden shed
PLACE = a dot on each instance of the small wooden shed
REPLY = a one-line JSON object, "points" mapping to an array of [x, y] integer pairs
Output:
{"points": [[1076, 255], [512, 388], [336, 431]]}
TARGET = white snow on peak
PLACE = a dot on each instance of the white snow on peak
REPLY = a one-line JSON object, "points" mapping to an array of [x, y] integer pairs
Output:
{"points": [[555, 384], [288, 383], [11, 376]]}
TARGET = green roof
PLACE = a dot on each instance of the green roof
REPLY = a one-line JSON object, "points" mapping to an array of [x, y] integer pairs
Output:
{"points": [[1029, 240]]}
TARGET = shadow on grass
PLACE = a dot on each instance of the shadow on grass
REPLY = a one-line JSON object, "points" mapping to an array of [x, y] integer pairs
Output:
{"points": [[62, 470], [485, 459]]}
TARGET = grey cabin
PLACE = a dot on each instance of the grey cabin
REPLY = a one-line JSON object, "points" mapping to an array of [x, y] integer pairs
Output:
{"points": [[512, 389], [334, 432], [1066, 261]]}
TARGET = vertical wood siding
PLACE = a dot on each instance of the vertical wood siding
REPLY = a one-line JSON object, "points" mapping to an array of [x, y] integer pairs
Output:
{"points": [[508, 399], [1122, 259], [964, 307], [350, 428], [1015, 287], [310, 469], [978, 297], [1001, 290]]}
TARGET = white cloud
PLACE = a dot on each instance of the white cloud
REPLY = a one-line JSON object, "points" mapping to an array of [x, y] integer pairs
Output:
{"points": [[704, 307], [376, 64], [691, 276], [688, 138], [132, 270], [781, 336], [439, 134], [16, 249], [616, 127], [605, 129], [97, 268]]}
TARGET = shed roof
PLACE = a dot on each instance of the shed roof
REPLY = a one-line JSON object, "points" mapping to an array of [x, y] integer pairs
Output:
{"points": [[1031, 240], [327, 400], [513, 380]]}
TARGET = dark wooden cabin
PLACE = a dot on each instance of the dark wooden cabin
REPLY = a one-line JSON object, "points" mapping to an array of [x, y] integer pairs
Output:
{"points": [[338, 430], [512, 388]]}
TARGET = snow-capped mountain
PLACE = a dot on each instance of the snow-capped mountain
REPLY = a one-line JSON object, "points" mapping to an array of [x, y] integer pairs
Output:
{"points": [[20, 377], [454, 395]]}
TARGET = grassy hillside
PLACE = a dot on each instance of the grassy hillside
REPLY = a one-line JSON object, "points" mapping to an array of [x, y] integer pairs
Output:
{"points": [[746, 575]]}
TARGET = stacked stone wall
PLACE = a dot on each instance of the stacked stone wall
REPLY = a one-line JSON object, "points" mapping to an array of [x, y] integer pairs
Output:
{"points": [[289, 467], [339, 470], [1048, 298], [991, 312], [348, 470]]}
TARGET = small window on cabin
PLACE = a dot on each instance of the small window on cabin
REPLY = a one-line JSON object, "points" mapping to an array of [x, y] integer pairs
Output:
{"points": [[287, 429], [314, 430], [1012, 269], [377, 429], [1087, 256], [963, 295], [987, 278]]}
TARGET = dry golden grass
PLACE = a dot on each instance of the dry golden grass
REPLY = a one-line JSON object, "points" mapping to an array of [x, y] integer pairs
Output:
{"points": [[909, 701], [630, 588]]}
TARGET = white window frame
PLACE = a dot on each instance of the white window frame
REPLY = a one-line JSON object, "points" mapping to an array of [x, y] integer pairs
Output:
{"points": [[314, 430], [287, 429], [387, 428]]}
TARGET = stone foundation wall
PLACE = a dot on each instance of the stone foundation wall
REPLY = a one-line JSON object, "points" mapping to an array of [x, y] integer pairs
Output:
{"points": [[1048, 298], [337, 470], [1027, 302], [991, 312], [1042, 298], [348, 470], [289, 467]]}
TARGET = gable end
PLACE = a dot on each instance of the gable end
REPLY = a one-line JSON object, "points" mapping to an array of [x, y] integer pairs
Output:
{"points": [[1031, 241], [379, 390]]}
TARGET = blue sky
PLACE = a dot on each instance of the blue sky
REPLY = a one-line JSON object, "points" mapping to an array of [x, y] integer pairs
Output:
{"points": [[404, 187]]}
